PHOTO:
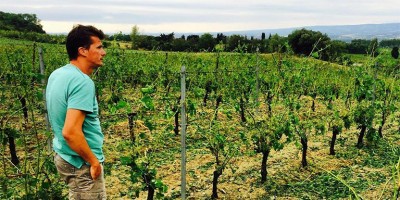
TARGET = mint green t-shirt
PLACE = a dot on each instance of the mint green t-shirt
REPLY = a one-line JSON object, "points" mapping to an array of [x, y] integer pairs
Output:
{"points": [[68, 87]]}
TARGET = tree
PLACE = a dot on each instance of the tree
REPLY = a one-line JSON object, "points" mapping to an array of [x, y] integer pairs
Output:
{"points": [[20, 22], [373, 48], [207, 42], [147, 42], [395, 52], [305, 42], [120, 37], [235, 41], [390, 43], [256, 45], [276, 43], [336, 49], [180, 44], [221, 38], [359, 46], [135, 37], [193, 41], [165, 41]]}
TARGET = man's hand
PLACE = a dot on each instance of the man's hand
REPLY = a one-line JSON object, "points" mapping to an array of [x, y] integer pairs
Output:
{"points": [[95, 170]]}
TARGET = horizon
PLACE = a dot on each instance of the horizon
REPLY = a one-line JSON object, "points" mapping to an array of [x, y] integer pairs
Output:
{"points": [[234, 31]]}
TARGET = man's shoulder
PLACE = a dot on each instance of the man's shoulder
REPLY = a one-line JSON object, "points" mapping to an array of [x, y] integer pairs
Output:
{"points": [[70, 72]]}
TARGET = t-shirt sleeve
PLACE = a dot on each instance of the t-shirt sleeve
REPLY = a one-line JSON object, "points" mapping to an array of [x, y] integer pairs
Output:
{"points": [[81, 95]]}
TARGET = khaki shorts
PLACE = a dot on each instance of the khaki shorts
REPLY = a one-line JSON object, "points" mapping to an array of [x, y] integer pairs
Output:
{"points": [[80, 183]]}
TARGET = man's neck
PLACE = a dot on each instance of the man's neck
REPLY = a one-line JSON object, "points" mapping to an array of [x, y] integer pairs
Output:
{"points": [[82, 66]]}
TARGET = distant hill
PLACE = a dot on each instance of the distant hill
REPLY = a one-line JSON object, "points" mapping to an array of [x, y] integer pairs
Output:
{"points": [[337, 32]]}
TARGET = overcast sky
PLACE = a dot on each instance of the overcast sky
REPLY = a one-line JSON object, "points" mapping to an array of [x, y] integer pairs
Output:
{"points": [[165, 16]]}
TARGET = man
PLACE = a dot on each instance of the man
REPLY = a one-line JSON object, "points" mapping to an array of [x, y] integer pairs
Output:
{"points": [[73, 115]]}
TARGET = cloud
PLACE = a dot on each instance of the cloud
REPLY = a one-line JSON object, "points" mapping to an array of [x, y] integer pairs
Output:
{"points": [[176, 15]]}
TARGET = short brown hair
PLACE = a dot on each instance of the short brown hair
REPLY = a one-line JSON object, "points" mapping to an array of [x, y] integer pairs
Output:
{"points": [[79, 36]]}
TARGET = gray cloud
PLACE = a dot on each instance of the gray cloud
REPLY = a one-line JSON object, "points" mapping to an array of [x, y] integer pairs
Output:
{"points": [[267, 14]]}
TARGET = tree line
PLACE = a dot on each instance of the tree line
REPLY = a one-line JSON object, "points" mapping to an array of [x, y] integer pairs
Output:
{"points": [[301, 42]]}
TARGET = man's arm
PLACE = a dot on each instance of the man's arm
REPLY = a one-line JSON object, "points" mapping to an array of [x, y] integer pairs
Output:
{"points": [[73, 134]]}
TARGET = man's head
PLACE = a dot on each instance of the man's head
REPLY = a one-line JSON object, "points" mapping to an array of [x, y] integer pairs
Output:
{"points": [[81, 36]]}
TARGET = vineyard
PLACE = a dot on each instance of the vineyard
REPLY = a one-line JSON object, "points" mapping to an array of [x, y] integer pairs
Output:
{"points": [[256, 126]]}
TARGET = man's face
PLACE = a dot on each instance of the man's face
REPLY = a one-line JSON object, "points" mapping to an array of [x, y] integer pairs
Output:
{"points": [[95, 52]]}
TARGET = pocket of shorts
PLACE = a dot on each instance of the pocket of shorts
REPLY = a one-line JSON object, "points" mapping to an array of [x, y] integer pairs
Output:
{"points": [[84, 181]]}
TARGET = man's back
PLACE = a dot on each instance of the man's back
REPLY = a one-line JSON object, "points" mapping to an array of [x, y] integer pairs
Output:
{"points": [[69, 88]]}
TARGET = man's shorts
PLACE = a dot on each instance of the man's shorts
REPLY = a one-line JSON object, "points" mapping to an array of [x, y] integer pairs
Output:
{"points": [[80, 182]]}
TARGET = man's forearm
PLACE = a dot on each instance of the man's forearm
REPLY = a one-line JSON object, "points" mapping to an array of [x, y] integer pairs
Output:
{"points": [[77, 142]]}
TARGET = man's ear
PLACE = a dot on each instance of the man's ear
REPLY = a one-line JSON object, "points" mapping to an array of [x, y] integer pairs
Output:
{"points": [[82, 51]]}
